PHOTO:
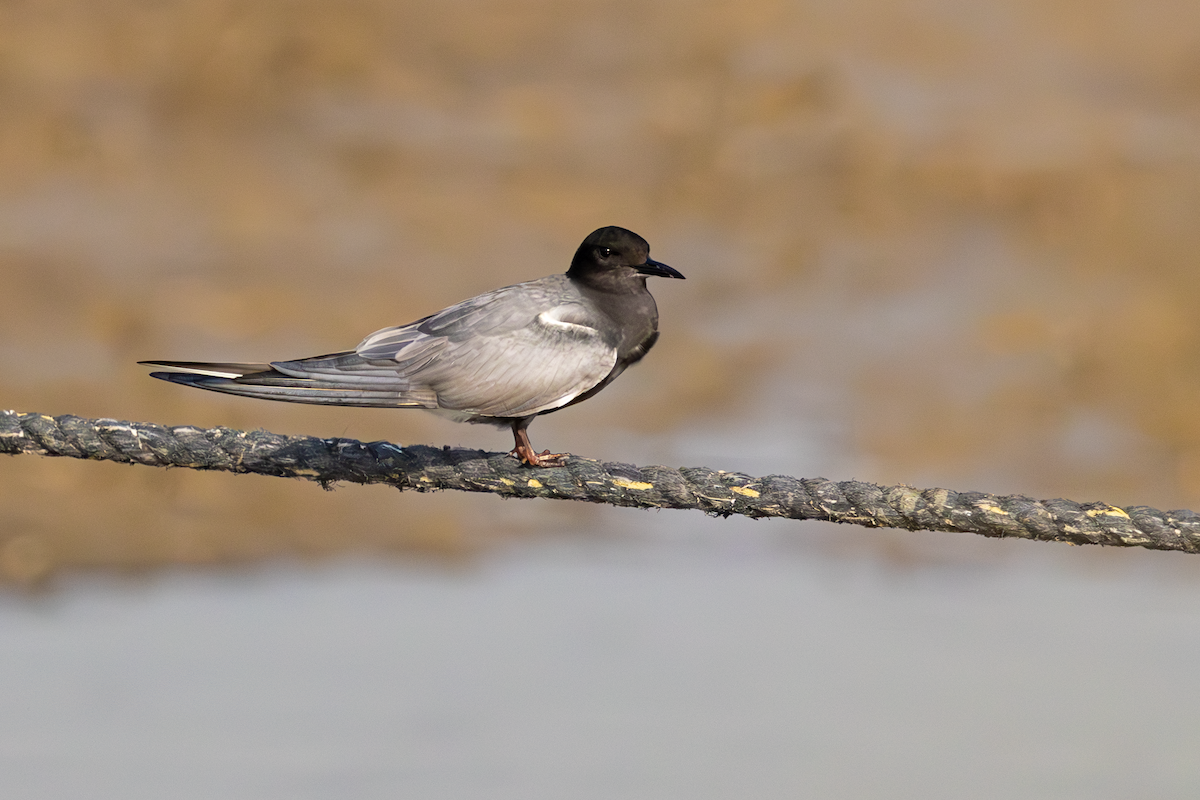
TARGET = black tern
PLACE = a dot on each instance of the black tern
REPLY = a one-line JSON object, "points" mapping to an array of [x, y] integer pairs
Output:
{"points": [[502, 358]]}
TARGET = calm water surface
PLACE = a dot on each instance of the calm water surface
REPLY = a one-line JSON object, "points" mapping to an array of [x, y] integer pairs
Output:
{"points": [[698, 665]]}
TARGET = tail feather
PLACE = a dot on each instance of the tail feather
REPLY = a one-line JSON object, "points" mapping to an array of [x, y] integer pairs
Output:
{"points": [[264, 382], [216, 369]]}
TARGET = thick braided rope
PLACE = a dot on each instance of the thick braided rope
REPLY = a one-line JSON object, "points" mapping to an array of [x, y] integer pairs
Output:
{"points": [[329, 461]]}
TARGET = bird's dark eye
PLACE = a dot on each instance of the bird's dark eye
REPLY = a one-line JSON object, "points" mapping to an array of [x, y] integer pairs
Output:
{"points": [[605, 252]]}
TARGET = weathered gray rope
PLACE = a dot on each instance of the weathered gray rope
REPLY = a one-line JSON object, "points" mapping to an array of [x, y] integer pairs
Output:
{"points": [[329, 461]]}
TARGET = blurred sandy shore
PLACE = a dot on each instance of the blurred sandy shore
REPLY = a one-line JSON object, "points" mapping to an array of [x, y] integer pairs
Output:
{"points": [[950, 248]]}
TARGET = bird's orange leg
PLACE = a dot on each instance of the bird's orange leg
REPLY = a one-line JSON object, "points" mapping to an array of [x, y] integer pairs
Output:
{"points": [[524, 450]]}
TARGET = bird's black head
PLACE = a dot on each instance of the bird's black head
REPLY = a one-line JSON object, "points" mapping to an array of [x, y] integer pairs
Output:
{"points": [[613, 256]]}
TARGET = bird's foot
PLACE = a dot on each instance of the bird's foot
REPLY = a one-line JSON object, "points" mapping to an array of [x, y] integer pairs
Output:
{"points": [[542, 459], [548, 459]]}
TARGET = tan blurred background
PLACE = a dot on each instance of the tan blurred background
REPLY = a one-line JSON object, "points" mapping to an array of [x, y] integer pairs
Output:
{"points": [[950, 243]]}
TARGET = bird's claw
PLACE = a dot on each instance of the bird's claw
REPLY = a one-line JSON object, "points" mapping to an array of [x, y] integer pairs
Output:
{"points": [[542, 459], [548, 459]]}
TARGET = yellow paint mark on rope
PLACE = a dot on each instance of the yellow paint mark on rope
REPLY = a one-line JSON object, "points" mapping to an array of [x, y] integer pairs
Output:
{"points": [[534, 483], [639, 486], [744, 491], [994, 509], [505, 481], [1111, 511]]}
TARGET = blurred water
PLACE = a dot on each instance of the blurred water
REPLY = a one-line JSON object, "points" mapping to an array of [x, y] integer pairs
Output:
{"points": [[697, 666]]}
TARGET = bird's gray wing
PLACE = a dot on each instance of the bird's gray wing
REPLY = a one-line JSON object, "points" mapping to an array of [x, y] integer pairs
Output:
{"points": [[492, 313], [513, 352], [538, 366]]}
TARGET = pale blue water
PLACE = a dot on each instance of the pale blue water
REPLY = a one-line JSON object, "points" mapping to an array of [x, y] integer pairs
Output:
{"points": [[688, 666]]}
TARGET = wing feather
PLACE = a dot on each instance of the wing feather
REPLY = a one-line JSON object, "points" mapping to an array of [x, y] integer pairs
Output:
{"points": [[513, 352]]}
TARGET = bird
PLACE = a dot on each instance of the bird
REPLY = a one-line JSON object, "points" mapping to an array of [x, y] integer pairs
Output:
{"points": [[501, 358]]}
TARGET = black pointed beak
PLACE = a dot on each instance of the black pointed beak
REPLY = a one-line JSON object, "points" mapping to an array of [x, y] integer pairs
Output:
{"points": [[652, 267]]}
